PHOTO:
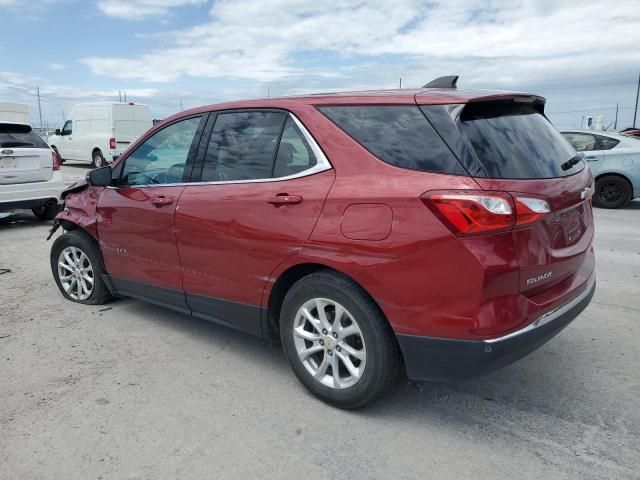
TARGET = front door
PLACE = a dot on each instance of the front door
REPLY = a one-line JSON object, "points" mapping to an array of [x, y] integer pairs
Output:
{"points": [[136, 217], [266, 185], [65, 146]]}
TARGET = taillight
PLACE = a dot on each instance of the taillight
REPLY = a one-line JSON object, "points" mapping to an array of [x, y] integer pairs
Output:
{"points": [[470, 212], [112, 143], [55, 157], [530, 210]]}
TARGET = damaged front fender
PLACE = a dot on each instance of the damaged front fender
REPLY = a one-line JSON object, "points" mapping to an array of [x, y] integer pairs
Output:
{"points": [[79, 209]]}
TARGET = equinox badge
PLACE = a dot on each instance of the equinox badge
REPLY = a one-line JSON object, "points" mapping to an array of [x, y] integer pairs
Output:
{"points": [[542, 276]]}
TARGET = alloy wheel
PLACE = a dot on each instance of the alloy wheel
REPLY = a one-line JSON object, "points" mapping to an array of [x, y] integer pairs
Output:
{"points": [[329, 343], [75, 273]]}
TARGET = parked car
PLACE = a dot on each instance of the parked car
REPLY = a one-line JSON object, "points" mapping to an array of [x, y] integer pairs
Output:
{"points": [[614, 160], [99, 132], [30, 174], [441, 232], [631, 132]]}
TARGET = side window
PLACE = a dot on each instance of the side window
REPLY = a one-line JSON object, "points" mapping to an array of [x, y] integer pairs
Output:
{"points": [[582, 142], [398, 135], [162, 157], [294, 152], [606, 143], [67, 129], [242, 146]]}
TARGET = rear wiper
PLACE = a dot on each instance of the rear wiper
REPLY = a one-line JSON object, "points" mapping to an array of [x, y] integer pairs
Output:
{"points": [[572, 161], [16, 144]]}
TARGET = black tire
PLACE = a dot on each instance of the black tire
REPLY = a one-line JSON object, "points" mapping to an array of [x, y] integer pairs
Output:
{"points": [[97, 159], [46, 212], [85, 243], [612, 191], [383, 360]]}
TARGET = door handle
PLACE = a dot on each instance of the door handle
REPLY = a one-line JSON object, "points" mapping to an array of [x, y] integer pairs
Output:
{"points": [[160, 201], [282, 199], [591, 159]]}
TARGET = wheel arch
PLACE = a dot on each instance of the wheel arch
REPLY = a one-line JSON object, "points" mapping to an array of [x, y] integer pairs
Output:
{"points": [[614, 174], [286, 279]]}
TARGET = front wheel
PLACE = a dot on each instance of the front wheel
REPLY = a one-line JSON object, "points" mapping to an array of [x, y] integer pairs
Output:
{"points": [[98, 160], [337, 341], [77, 267], [612, 192]]}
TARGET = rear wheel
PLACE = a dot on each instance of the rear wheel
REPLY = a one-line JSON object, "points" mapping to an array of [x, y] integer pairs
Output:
{"points": [[77, 267], [98, 160], [337, 340], [46, 212], [612, 192]]}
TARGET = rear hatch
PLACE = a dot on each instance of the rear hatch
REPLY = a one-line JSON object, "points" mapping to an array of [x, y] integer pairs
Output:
{"points": [[508, 145], [24, 156]]}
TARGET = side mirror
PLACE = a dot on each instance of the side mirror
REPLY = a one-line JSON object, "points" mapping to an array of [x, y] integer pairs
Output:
{"points": [[58, 132], [100, 177]]}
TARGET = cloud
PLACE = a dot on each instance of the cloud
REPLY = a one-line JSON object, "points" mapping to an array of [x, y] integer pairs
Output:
{"points": [[140, 9], [56, 66], [279, 39]]}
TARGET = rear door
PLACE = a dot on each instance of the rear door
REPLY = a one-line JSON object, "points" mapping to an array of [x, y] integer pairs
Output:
{"points": [[136, 218], [24, 155], [263, 184], [516, 149], [129, 123], [587, 143]]}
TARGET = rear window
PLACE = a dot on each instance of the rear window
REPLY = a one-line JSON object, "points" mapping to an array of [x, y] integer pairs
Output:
{"points": [[515, 141], [398, 135], [607, 143], [20, 136]]}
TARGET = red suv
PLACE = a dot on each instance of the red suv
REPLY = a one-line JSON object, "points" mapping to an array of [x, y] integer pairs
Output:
{"points": [[439, 232]]}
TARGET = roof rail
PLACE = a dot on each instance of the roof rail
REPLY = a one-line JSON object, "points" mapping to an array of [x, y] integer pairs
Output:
{"points": [[449, 81]]}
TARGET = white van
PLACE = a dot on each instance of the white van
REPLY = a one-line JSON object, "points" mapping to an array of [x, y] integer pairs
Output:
{"points": [[99, 132]]}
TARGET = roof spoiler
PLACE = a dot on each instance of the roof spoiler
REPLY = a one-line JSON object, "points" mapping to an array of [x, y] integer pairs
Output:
{"points": [[449, 81]]}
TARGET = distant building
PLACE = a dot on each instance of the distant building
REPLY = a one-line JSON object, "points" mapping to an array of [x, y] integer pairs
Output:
{"points": [[14, 112]]}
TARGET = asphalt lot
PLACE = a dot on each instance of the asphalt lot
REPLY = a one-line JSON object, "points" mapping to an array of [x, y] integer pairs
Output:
{"points": [[133, 391]]}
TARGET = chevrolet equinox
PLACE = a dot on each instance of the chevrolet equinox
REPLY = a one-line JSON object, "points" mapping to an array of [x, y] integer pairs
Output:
{"points": [[436, 233]]}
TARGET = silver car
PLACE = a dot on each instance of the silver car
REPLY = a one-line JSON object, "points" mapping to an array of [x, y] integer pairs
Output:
{"points": [[615, 162]]}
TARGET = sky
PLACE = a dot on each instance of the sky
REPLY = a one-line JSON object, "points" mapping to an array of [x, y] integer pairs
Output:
{"points": [[583, 56]]}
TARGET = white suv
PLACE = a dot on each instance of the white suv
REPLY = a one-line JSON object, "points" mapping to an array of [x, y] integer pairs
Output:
{"points": [[30, 175]]}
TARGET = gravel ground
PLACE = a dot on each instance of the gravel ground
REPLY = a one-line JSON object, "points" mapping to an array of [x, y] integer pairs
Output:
{"points": [[132, 391]]}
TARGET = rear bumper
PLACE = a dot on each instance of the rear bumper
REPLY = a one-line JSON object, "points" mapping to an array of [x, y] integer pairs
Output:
{"points": [[30, 195], [442, 359]]}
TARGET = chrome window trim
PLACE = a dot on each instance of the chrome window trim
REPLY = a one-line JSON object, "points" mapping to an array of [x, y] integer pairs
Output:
{"points": [[322, 165], [549, 316]]}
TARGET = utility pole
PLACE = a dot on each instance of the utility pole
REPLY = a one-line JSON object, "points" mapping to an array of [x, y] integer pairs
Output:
{"points": [[40, 106], [635, 112], [119, 96], [615, 123], [180, 104], [400, 83], [125, 96]]}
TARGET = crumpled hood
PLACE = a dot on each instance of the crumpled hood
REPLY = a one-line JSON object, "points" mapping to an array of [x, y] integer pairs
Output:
{"points": [[76, 187]]}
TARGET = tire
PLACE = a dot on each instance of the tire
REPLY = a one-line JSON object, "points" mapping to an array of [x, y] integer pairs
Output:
{"points": [[378, 360], [79, 246], [97, 160], [612, 191], [46, 212]]}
